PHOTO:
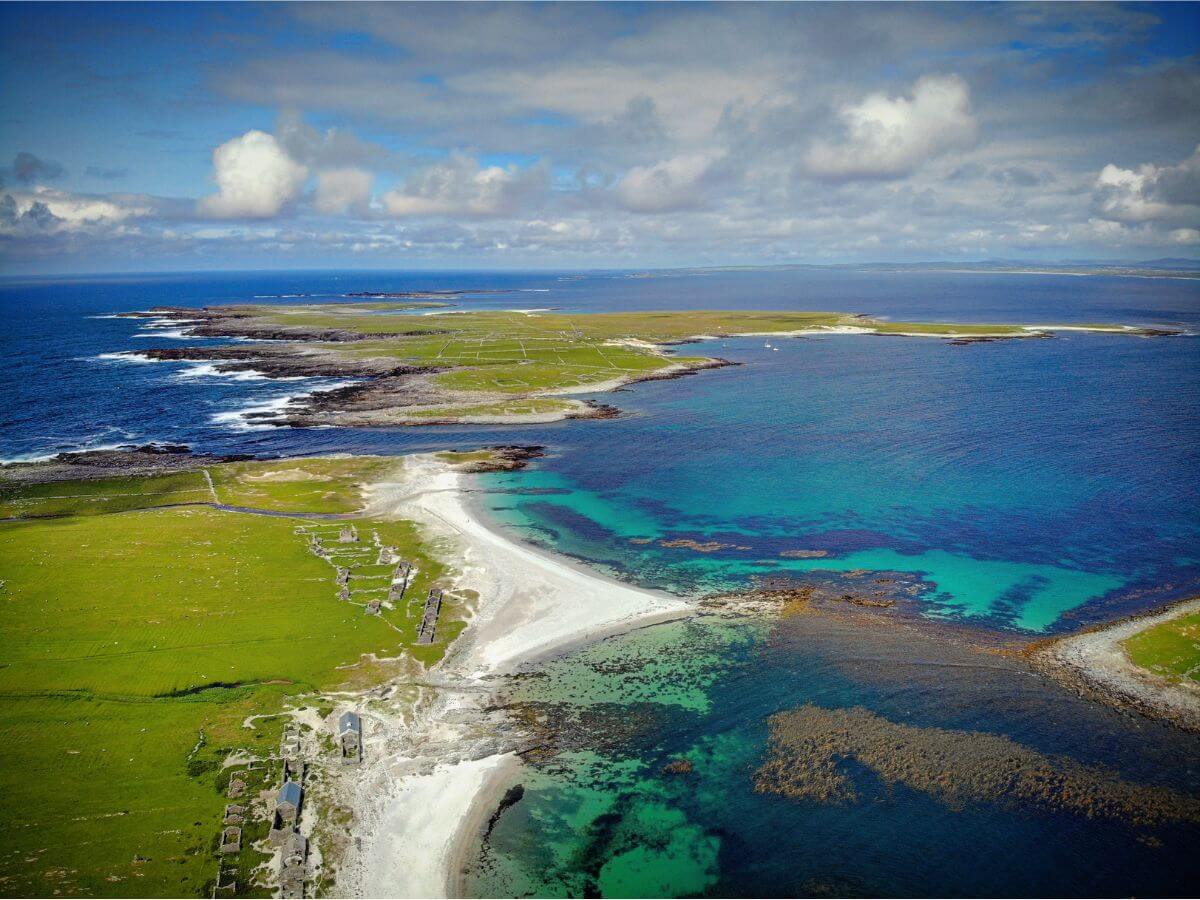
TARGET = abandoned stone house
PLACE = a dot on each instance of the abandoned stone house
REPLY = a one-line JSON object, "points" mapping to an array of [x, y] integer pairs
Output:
{"points": [[293, 769], [289, 747], [348, 535], [226, 882], [291, 882], [236, 787], [287, 805], [231, 840], [292, 865], [373, 607], [234, 814], [350, 736], [295, 850]]}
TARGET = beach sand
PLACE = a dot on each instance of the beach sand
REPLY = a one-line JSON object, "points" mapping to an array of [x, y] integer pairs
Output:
{"points": [[434, 771]]}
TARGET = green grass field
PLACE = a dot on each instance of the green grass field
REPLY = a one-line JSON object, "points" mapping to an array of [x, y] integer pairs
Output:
{"points": [[138, 641], [486, 359], [1170, 649]]}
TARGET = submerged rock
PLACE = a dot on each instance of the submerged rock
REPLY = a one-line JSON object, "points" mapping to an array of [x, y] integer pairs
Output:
{"points": [[814, 753]]}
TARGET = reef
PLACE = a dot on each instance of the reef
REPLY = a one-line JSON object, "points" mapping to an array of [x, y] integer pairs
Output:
{"points": [[814, 752]]}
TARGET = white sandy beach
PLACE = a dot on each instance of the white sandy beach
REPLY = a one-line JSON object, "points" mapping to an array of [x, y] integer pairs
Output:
{"points": [[431, 778]]}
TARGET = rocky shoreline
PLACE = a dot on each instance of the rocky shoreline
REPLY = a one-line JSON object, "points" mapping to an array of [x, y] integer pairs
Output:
{"points": [[389, 393], [1095, 665], [386, 394], [130, 460]]}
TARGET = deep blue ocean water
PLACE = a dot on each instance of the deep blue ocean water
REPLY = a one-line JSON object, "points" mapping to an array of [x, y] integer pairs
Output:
{"points": [[1030, 486]]}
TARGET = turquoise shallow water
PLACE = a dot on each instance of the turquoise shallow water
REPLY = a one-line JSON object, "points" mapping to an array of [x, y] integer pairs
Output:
{"points": [[1029, 488], [1023, 482]]}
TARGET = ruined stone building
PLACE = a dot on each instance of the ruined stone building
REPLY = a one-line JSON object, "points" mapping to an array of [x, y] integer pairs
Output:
{"points": [[350, 736]]}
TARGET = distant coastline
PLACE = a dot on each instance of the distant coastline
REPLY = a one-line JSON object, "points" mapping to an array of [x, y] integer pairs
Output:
{"points": [[510, 367]]}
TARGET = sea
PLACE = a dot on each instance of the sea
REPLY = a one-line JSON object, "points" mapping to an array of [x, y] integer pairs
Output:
{"points": [[1018, 489]]}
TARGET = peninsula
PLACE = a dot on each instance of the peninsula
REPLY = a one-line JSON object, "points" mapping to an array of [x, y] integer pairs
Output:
{"points": [[1146, 663], [236, 612], [426, 363]]}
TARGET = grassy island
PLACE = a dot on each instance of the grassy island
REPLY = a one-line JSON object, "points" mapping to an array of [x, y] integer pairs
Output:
{"points": [[429, 363], [157, 628]]}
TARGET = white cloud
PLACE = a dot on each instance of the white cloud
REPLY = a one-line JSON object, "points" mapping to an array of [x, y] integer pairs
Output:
{"points": [[460, 186], [669, 185], [255, 176], [343, 190], [889, 137], [1149, 192], [47, 210]]}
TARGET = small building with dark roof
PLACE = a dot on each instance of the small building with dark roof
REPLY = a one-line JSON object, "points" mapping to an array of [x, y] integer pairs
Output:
{"points": [[350, 736], [287, 806]]}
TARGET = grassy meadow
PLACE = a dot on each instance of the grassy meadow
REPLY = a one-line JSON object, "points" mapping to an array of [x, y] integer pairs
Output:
{"points": [[1170, 649], [139, 641], [502, 363]]}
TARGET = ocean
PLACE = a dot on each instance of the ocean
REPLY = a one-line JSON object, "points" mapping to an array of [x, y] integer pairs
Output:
{"points": [[1020, 488]]}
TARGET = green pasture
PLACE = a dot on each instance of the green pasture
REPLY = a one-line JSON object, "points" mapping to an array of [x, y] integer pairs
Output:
{"points": [[322, 485], [503, 354], [138, 642], [516, 406], [106, 495], [1170, 649]]}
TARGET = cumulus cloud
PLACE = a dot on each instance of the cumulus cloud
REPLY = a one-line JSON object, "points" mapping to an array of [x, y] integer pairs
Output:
{"points": [[888, 137], [333, 148], [255, 176], [343, 190], [670, 185], [45, 210], [460, 186], [1149, 192]]}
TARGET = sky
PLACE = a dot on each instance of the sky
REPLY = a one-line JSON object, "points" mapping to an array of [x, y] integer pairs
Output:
{"points": [[184, 136]]}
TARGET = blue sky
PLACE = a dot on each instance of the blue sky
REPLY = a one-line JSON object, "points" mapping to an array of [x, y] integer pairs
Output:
{"points": [[194, 136]]}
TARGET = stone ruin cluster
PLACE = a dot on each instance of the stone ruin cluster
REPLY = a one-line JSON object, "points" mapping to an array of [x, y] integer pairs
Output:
{"points": [[345, 551]]}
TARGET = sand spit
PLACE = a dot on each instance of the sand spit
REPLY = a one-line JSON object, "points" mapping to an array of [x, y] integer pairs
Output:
{"points": [[1096, 663], [435, 766]]}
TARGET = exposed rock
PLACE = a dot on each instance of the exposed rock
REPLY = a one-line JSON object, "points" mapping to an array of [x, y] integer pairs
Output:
{"points": [[504, 458], [147, 459]]}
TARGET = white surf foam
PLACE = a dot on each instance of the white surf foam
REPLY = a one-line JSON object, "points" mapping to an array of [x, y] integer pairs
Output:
{"points": [[123, 356], [240, 419]]}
